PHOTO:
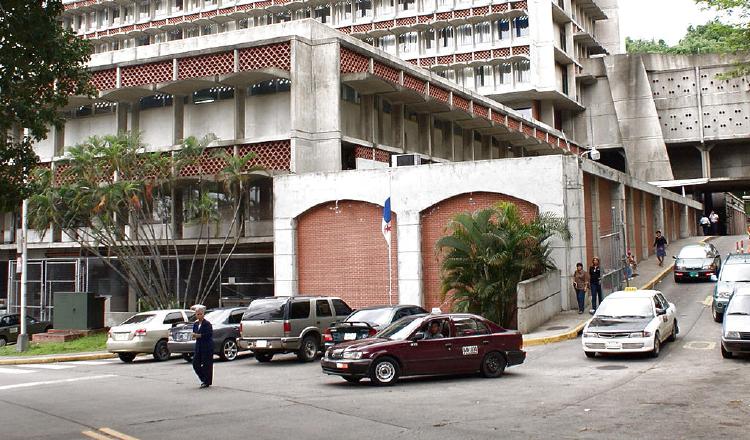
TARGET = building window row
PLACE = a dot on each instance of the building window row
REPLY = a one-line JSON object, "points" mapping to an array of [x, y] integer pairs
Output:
{"points": [[492, 77]]}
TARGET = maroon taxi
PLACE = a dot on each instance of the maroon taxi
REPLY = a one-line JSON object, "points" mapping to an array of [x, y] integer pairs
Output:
{"points": [[427, 345]]}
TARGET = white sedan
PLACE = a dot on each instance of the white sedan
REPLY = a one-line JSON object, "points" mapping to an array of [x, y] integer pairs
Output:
{"points": [[631, 321]]}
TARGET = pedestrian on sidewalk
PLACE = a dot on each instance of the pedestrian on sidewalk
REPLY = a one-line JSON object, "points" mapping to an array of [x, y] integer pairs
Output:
{"points": [[580, 284], [203, 354], [631, 265], [705, 223], [714, 217], [660, 245], [595, 275]]}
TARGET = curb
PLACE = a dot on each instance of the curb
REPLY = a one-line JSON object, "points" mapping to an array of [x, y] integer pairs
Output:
{"points": [[61, 358]]}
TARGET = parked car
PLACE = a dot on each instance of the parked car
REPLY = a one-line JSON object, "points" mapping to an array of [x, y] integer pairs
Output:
{"points": [[146, 332], [226, 331], [282, 324], [366, 322], [631, 321], [735, 331], [697, 262], [10, 327], [463, 343], [735, 273]]}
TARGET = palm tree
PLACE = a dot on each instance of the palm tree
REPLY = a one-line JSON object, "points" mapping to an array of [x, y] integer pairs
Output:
{"points": [[488, 252]]}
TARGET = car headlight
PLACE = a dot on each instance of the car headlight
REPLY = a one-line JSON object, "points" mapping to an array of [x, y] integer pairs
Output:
{"points": [[353, 355], [590, 335], [732, 335], [723, 294], [639, 335]]}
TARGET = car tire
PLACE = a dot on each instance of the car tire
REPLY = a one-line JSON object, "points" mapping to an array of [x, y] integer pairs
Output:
{"points": [[263, 357], [352, 379], [726, 354], [308, 349], [657, 346], [493, 364], [590, 354], [677, 280], [228, 350], [161, 351], [3, 341], [384, 371], [675, 330], [188, 357], [126, 357], [718, 317]]}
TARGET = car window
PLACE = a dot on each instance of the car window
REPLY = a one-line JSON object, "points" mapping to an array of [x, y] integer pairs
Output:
{"points": [[735, 272], [663, 301], [692, 252], [417, 310], [173, 318], [625, 307], [137, 319], [322, 308], [300, 310], [656, 303], [401, 313], [341, 308], [445, 327], [373, 317], [265, 309], [236, 317], [401, 329], [469, 327], [190, 316], [216, 316]]}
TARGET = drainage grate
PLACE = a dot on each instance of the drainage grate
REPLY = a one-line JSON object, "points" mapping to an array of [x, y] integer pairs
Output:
{"points": [[557, 327], [612, 367]]}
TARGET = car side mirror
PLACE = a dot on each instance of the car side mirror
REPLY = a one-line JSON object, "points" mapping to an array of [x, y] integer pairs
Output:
{"points": [[661, 312], [674, 257], [714, 278], [418, 336]]}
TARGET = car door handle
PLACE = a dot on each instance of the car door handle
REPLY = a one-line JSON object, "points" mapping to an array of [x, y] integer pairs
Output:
{"points": [[449, 346], [485, 342]]}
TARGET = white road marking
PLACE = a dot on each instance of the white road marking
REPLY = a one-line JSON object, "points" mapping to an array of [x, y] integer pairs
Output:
{"points": [[54, 382], [700, 345], [102, 362], [47, 366], [14, 371]]}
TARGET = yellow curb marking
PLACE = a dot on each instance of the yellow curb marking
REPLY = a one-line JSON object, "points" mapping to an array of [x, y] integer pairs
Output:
{"points": [[708, 301], [110, 434], [700, 345], [95, 435]]}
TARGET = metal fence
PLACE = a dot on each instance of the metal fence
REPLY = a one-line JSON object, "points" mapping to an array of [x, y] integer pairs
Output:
{"points": [[613, 256]]}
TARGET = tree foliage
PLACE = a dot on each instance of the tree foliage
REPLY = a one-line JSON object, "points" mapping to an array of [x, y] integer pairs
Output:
{"points": [[488, 252], [712, 37], [117, 201], [41, 64]]}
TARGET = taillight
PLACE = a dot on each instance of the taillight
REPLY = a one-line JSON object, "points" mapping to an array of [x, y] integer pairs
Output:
{"points": [[327, 336], [240, 328], [287, 327], [140, 332], [372, 332]]}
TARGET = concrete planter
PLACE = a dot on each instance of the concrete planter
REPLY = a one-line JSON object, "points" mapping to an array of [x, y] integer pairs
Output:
{"points": [[539, 299]]}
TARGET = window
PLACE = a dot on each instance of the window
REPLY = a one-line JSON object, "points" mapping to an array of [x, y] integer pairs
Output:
{"points": [[563, 40], [503, 74], [407, 43], [363, 8], [235, 317], [341, 308], [387, 43], [144, 10], [663, 301], [177, 6], [300, 310], [503, 29], [428, 40], [322, 308], [445, 328], [483, 76], [465, 33], [482, 32], [521, 26], [268, 87], [348, 94], [344, 11], [322, 14], [526, 112], [174, 318], [406, 5], [523, 71], [564, 79], [470, 327], [266, 309], [445, 37], [386, 6], [155, 101]]}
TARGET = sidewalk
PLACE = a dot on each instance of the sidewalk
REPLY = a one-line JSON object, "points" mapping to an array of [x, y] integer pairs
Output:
{"points": [[568, 324], [52, 358]]}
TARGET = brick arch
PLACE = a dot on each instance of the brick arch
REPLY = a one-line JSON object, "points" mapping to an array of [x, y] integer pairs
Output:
{"points": [[434, 221], [341, 252]]}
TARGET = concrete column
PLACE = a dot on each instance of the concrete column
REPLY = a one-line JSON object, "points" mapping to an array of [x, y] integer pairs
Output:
{"points": [[467, 137], [285, 274], [398, 139], [685, 218], [447, 133], [178, 114], [486, 148], [240, 94], [367, 117], [121, 114], [409, 258], [643, 218], [630, 218], [135, 117], [659, 214], [705, 151], [424, 129], [596, 227], [58, 140]]}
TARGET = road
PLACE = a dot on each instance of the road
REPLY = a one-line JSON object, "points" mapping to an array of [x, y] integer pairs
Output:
{"points": [[689, 392]]}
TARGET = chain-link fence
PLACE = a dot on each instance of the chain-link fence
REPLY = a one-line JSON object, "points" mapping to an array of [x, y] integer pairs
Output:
{"points": [[612, 256]]}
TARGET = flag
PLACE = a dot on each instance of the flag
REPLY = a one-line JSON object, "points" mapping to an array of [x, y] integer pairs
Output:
{"points": [[386, 226]]}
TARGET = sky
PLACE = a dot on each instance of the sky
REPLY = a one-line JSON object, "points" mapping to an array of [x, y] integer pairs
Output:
{"points": [[660, 19]]}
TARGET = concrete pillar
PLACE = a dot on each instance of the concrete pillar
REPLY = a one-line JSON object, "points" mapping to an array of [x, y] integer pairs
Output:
{"points": [[58, 139], [285, 274], [178, 116], [424, 129], [467, 136], [685, 218], [643, 218], [630, 218], [659, 214], [486, 148], [121, 114], [447, 150], [398, 139], [240, 94], [596, 227], [135, 117], [367, 117], [409, 258], [705, 151]]}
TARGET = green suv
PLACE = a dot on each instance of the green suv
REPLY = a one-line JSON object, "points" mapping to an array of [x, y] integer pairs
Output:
{"points": [[289, 324]]}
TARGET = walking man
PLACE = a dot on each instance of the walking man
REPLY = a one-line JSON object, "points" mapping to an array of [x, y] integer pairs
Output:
{"points": [[714, 217], [595, 275], [203, 356], [660, 244], [705, 224], [580, 284]]}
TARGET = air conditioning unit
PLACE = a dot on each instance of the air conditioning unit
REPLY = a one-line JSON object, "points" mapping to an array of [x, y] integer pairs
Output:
{"points": [[405, 160]]}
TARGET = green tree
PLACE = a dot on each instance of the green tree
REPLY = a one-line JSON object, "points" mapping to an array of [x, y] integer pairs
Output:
{"points": [[488, 252], [41, 64], [120, 203], [738, 11], [712, 37]]}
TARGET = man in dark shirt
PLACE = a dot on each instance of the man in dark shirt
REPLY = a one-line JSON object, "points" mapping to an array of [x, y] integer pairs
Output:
{"points": [[660, 244], [203, 357], [595, 275]]}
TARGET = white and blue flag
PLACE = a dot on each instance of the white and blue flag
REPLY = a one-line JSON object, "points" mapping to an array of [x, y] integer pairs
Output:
{"points": [[386, 225]]}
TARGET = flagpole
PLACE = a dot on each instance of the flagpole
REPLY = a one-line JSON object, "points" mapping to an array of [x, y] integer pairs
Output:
{"points": [[390, 276]]}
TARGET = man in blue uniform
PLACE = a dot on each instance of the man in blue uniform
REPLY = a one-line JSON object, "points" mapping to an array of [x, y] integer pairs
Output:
{"points": [[203, 357]]}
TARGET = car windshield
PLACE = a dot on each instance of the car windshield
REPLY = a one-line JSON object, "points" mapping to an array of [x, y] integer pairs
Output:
{"points": [[401, 329], [136, 319], [374, 317], [216, 316], [265, 309], [625, 308], [735, 272], [692, 252], [739, 305]]}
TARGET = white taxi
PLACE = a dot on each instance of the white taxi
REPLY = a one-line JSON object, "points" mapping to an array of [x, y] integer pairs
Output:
{"points": [[631, 321]]}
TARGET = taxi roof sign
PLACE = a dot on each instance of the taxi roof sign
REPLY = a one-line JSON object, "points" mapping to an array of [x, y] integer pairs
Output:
{"points": [[436, 311], [631, 289]]}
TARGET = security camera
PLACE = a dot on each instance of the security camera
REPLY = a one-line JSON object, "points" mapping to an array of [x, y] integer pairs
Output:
{"points": [[594, 154]]}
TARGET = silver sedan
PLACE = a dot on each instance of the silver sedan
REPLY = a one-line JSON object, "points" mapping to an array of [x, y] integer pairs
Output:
{"points": [[146, 332], [735, 333]]}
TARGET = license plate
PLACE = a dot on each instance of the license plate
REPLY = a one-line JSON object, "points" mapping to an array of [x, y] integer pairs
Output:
{"points": [[261, 344], [350, 336], [120, 336], [342, 365], [694, 274], [613, 345]]}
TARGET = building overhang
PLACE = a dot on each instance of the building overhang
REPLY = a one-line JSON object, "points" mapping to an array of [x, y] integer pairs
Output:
{"points": [[592, 9]]}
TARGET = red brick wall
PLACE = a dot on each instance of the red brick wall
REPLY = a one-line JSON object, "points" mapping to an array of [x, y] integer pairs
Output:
{"points": [[434, 221], [605, 207], [588, 212], [677, 212], [637, 249], [341, 252]]}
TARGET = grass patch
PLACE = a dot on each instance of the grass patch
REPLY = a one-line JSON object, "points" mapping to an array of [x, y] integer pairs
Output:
{"points": [[95, 342]]}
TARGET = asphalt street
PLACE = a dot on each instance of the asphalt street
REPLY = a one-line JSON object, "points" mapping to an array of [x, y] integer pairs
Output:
{"points": [[689, 392]]}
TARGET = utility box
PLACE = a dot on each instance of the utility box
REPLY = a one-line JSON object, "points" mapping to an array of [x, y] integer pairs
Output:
{"points": [[78, 311]]}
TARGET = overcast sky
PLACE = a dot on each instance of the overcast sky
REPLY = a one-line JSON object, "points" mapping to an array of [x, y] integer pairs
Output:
{"points": [[660, 19]]}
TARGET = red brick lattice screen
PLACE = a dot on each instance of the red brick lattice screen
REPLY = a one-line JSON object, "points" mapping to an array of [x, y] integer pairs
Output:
{"points": [[208, 163], [273, 55], [205, 65], [104, 79], [274, 156], [352, 62], [376, 154], [415, 84], [146, 74], [386, 72]]}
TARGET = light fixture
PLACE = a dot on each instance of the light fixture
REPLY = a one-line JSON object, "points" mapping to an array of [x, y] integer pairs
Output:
{"points": [[593, 153]]}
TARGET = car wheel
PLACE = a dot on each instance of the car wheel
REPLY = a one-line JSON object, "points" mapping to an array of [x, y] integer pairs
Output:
{"points": [[161, 351], [718, 317], [228, 350], [263, 357], [675, 330], [126, 357], [384, 371], [726, 354], [493, 364], [188, 357], [677, 280], [3, 341], [309, 349], [352, 379], [657, 346], [590, 354]]}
